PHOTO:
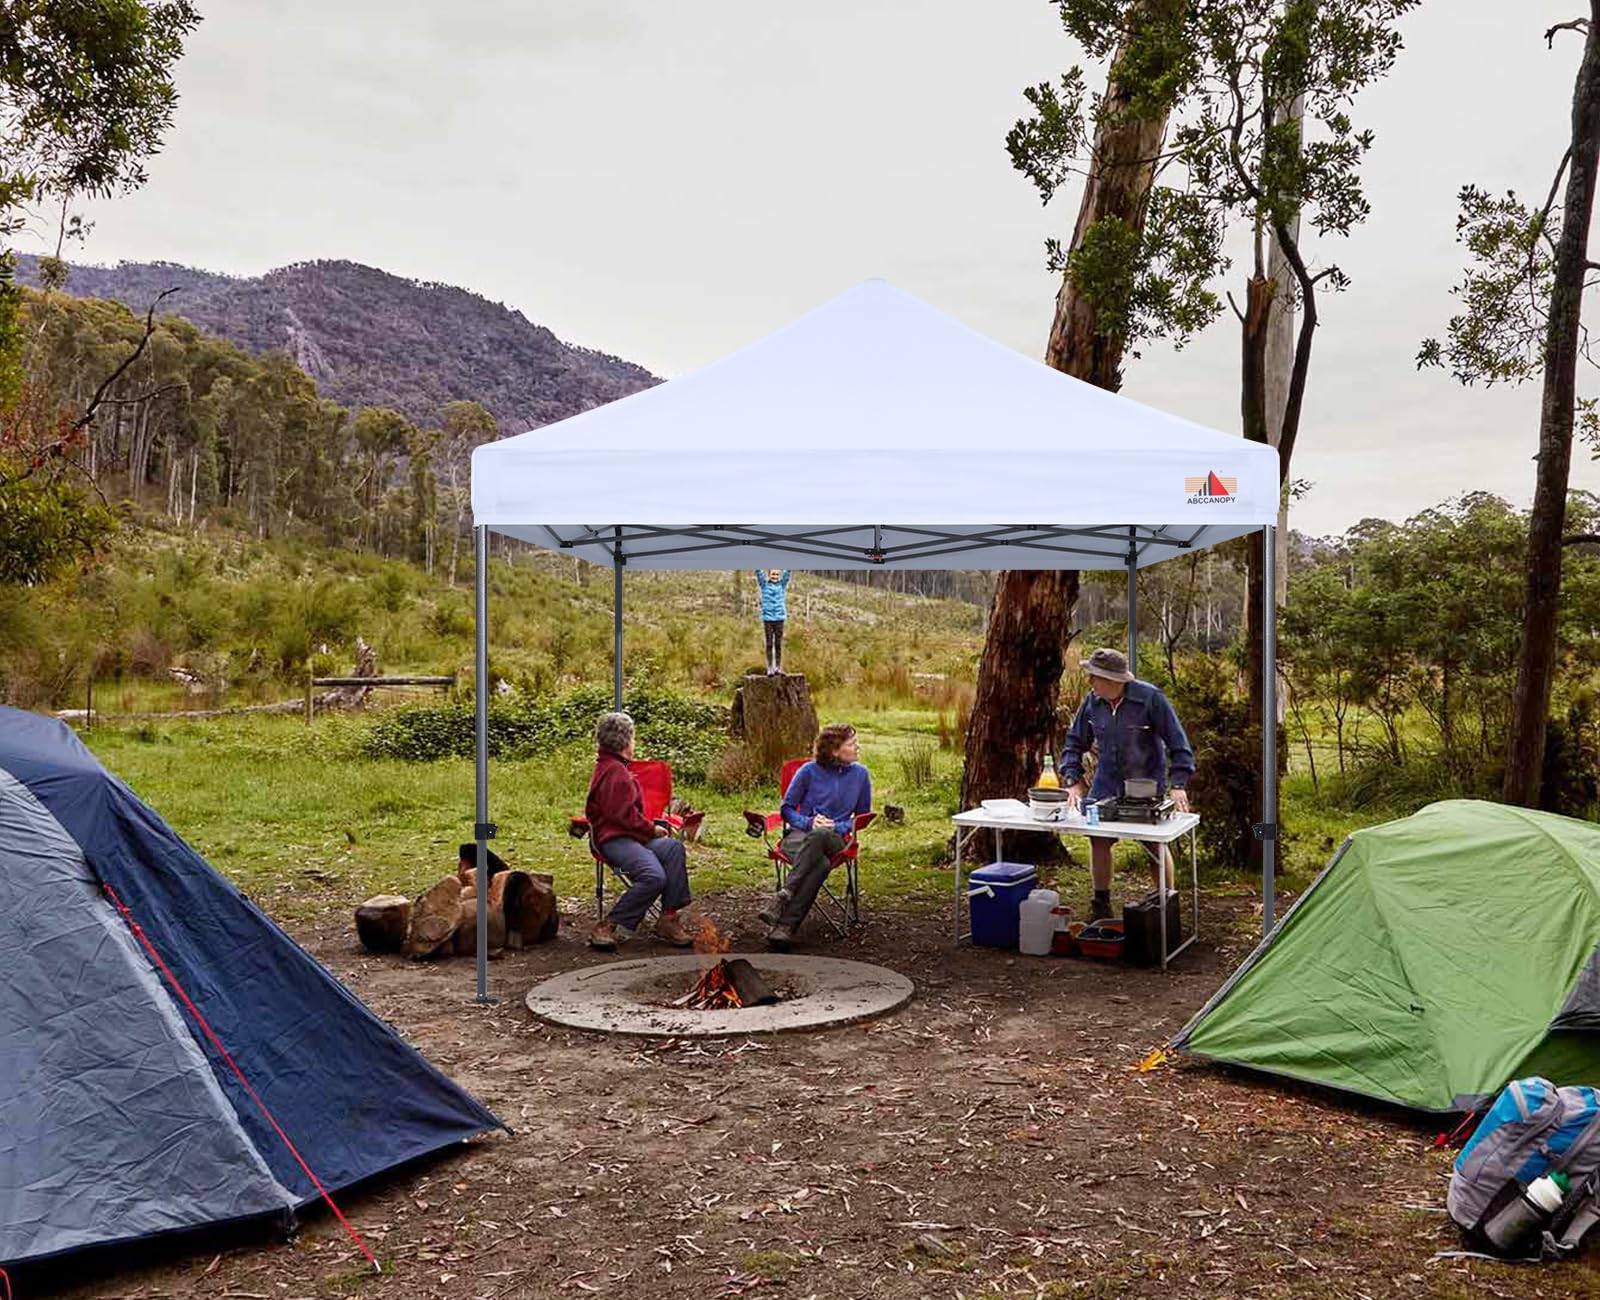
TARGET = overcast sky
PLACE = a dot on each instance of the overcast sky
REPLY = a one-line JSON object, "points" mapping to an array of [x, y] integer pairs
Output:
{"points": [[669, 179]]}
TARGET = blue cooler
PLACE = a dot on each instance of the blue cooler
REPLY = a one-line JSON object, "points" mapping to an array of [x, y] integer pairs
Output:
{"points": [[994, 898]]}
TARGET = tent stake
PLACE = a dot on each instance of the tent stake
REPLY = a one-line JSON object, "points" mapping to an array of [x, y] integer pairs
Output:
{"points": [[482, 830]]}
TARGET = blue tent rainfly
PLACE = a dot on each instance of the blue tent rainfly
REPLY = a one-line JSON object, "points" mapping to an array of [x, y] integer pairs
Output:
{"points": [[119, 1118]]}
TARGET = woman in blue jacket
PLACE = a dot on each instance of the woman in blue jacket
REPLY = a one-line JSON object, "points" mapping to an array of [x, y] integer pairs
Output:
{"points": [[774, 611], [819, 810]]}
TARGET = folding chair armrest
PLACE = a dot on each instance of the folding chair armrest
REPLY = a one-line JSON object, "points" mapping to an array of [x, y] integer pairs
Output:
{"points": [[577, 827], [691, 821], [862, 821], [755, 824]]}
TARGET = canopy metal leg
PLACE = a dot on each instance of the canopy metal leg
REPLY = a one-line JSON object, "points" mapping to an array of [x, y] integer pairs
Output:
{"points": [[482, 830], [1268, 829], [616, 621], [1133, 605]]}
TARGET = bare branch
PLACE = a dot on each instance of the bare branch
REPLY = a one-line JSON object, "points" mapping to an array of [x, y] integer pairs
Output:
{"points": [[143, 397], [1573, 25], [83, 421], [1289, 430], [1235, 307], [1581, 539], [1555, 184]]}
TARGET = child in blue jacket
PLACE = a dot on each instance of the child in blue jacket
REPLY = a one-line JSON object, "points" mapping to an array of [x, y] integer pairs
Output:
{"points": [[774, 611]]}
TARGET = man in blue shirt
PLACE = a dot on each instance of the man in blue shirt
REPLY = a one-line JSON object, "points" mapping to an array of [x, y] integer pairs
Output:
{"points": [[1135, 734]]}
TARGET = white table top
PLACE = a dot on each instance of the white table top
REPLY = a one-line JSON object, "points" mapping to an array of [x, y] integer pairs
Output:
{"points": [[1163, 832]]}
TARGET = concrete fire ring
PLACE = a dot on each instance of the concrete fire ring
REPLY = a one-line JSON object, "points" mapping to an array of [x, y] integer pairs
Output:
{"points": [[623, 997]]}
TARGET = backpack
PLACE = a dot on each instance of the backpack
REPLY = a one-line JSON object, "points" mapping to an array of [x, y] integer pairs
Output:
{"points": [[1533, 1128]]}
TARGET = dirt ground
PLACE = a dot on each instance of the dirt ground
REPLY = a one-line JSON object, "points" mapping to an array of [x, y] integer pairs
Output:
{"points": [[993, 1138]]}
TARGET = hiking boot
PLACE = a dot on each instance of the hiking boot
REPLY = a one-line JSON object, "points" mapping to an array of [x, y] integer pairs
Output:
{"points": [[670, 930], [779, 938], [603, 938], [1099, 910], [772, 913]]}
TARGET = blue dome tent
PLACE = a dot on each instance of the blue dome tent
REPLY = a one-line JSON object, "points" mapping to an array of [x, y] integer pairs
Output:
{"points": [[121, 1115]]}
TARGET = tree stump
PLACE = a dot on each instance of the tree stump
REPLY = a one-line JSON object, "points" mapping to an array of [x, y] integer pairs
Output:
{"points": [[774, 717], [383, 922], [353, 697]]}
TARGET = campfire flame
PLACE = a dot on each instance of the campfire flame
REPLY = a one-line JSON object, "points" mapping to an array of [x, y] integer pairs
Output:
{"points": [[710, 941], [715, 990]]}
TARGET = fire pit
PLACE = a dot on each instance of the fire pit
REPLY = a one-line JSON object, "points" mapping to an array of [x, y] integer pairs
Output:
{"points": [[703, 996]]}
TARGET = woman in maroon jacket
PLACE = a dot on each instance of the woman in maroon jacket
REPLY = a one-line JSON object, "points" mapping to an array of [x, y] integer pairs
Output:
{"points": [[652, 863]]}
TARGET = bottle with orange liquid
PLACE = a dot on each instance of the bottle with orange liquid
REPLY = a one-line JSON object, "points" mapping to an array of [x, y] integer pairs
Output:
{"points": [[1048, 780]]}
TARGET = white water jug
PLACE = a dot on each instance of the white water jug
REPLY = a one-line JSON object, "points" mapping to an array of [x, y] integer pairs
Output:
{"points": [[1037, 922]]}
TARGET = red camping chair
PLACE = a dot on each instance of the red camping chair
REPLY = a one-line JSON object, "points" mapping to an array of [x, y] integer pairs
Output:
{"points": [[840, 912], [655, 783]]}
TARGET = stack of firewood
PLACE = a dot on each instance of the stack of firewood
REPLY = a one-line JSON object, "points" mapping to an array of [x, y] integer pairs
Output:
{"points": [[444, 919]]}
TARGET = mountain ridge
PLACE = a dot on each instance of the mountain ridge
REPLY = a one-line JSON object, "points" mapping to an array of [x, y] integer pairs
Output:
{"points": [[371, 338]]}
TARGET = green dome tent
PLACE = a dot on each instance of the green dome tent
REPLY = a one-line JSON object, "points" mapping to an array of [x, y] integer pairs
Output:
{"points": [[1433, 960]]}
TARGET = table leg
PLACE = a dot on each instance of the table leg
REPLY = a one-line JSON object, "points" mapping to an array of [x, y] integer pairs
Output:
{"points": [[1194, 878], [1161, 901], [960, 840]]}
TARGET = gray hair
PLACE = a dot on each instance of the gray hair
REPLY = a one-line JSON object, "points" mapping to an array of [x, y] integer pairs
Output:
{"points": [[613, 732]]}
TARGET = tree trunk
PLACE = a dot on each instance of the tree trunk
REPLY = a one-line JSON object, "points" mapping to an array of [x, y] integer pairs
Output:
{"points": [[1259, 295], [1280, 355], [1019, 676], [1530, 703], [1014, 719]]}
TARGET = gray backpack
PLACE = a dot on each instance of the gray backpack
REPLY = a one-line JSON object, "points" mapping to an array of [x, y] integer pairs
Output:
{"points": [[1534, 1128]]}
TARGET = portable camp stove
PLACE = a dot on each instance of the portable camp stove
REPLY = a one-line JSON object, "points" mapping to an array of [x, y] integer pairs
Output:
{"points": [[1134, 808], [1138, 802]]}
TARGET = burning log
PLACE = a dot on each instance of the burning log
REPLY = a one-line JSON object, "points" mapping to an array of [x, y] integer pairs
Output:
{"points": [[731, 984]]}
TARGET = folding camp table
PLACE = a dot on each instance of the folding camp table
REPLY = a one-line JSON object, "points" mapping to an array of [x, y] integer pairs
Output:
{"points": [[1150, 834]]}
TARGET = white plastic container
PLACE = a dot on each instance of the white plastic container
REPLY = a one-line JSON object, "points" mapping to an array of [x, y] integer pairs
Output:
{"points": [[1037, 922]]}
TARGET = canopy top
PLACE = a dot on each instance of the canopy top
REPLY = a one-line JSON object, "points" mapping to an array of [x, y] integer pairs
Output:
{"points": [[873, 432]]}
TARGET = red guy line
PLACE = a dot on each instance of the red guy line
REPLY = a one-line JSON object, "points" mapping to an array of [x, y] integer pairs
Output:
{"points": [[139, 934]]}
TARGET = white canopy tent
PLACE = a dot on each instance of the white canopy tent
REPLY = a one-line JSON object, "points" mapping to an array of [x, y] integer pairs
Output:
{"points": [[871, 432]]}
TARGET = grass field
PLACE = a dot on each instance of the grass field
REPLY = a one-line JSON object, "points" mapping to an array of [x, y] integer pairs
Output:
{"points": [[302, 823]]}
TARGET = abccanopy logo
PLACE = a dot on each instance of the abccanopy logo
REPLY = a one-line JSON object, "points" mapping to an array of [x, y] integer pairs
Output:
{"points": [[1210, 489]]}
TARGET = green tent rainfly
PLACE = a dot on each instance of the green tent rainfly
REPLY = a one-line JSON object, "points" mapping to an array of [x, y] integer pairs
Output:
{"points": [[1435, 958]]}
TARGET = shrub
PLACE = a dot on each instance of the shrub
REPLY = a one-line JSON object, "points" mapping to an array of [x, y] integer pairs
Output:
{"points": [[147, 655], [1225, 790], [735, 768], [685, 732], [1571, 780], [1374, 780], [916, 763]]}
